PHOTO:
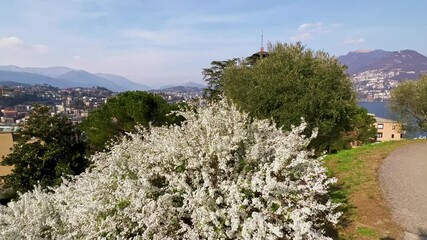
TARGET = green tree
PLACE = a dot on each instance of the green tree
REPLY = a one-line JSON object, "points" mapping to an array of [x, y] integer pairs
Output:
{"points": [[362, 130], [295, 82], [213, 77], [122, 113], [409, 101], [49, 148]]}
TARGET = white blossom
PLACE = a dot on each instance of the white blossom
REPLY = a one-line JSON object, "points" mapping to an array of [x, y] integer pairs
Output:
{"points": [[220, 175]]}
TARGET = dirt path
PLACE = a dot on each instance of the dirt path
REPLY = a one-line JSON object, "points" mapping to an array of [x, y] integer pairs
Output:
{"points": [[403, 177]]}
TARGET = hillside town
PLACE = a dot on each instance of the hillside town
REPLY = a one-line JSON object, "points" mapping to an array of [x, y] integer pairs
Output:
{"points": [[16, 102], [375, 73], [179, 93], [375, 85]]}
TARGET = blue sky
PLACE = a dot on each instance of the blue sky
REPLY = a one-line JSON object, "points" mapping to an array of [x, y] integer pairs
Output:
{"points": [[158, 42]]}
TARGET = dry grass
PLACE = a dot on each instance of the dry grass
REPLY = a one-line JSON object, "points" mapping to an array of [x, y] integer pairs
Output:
{"points": [[358, 189]]}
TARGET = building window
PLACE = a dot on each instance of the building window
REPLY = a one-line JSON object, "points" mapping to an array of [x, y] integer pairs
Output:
{"points": [[379, 135], [380, 126], [392, 135], [401, 135], [393, 127]]}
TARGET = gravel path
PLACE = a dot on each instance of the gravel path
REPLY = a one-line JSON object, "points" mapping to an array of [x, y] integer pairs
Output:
{"points": [[403, 177]]}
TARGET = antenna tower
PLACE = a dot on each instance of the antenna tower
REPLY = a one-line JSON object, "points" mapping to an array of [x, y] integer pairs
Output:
{"points": [[262, 42]]}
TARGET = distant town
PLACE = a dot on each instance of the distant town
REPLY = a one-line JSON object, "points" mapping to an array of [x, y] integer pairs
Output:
{"points": [[376, 85], [76, 103]]}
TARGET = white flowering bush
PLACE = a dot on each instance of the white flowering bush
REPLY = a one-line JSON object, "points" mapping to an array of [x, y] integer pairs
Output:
{"points": [[220, 175]]}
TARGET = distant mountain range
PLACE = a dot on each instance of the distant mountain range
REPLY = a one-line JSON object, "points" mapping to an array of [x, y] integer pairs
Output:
{"points": [[374, 73], [188, 84], [63, 77], [12, 84], [379, 60]]}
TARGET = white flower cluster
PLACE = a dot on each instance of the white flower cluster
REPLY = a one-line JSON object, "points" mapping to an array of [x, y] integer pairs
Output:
{"points": [[220, 175]]}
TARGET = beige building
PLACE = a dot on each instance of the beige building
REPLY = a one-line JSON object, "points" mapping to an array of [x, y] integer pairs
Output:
{"points": [[388, 130], [6, 143]]}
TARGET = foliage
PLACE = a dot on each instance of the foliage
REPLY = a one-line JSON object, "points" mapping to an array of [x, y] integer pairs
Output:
{"points": [[362, 130], [409, 101], [220, 175], [122, 113], [213, 77], [295, 82], [48, 149], [24, 99]]}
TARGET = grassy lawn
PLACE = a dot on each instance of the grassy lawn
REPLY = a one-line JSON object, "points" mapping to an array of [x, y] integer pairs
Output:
{"points": [[358, 189]]}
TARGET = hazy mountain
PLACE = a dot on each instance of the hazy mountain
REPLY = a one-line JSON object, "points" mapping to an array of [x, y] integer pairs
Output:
{"points": [[123, 81], [181, 89], [360, 60], [63, 77], [81, 78], [49, 71], [12, 84], [187, 84], [403, 61], [194, 84], [31, 78]]}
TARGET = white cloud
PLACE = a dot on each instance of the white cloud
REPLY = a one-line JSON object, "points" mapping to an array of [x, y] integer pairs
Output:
{"points": [[11, 42], [307, 31], [39, 48], [19, 44], [310, 27], [354, 41]]}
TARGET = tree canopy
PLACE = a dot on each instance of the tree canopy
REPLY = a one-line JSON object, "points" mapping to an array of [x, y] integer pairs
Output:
{"points": [[49, 148], [409, 101], [213, 77], [122, 113], [294, 83]]}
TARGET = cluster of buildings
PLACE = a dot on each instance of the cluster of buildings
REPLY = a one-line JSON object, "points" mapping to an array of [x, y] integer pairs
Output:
{"points": [[179, 93], [16, 102], [376, 85]]}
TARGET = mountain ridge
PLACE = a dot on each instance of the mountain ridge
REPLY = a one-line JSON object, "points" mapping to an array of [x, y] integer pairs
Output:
{"points": [[64, 77], [375, 73], [362, 60]]}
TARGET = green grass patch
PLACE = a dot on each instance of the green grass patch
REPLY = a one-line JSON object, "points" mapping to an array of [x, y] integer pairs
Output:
{"points": [[356, 171], [352, 166], [367, 232]]}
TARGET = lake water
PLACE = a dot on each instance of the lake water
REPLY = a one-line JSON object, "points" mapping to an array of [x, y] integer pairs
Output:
{"points": [[380, 109]]}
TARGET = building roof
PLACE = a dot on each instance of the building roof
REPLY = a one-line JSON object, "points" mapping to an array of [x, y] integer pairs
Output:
{"points": [[384, 120], [260, 54]]}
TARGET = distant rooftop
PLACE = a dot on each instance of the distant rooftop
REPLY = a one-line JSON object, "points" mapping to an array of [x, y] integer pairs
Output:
{"points": [[383, 120], [8, 128]]}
